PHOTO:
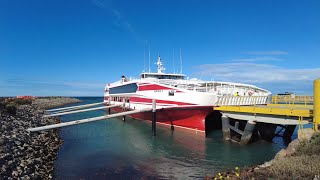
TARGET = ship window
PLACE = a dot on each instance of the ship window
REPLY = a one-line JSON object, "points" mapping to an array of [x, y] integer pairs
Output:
{"points": [[128, 88]]}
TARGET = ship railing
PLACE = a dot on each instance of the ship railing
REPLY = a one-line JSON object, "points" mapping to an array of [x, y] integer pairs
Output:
{"points": [[241, 100], [200, 89]]}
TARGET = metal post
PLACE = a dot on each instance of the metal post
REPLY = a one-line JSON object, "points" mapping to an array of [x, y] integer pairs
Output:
{"points": [[109, 102], [123, 107], [154, 118], [316, 104]]}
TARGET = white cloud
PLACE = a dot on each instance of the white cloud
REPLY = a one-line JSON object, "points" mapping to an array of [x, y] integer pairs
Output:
{"points": [[45, 87], [266, 52], [86, 85], [266, 75], [252, 72], [254, 59], [119, 19]]}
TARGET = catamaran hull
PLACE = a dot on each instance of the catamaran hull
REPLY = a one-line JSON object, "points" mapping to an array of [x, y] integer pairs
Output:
{"points": [[191, 119]]}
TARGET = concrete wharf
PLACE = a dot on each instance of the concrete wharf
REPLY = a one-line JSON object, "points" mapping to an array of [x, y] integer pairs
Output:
{"points": [[242, 121]]}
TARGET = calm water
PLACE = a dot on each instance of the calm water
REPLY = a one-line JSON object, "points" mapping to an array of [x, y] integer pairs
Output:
{"points": [[113, 149]]}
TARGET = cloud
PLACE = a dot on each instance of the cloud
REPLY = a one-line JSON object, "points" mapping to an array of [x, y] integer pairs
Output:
{"points": [[119, 18], [265, 52], [268, 76], [85, 85], [254, 59], [41, 87]]}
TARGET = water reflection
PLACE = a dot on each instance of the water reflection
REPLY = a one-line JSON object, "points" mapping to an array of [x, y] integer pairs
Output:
{"points": [[114, 149]]}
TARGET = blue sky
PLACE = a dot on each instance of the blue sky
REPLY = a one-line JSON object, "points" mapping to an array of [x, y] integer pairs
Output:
{"points": [[75, 47]]}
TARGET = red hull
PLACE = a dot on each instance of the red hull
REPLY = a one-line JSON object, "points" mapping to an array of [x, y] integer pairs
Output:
{"points": [[189, 118]]}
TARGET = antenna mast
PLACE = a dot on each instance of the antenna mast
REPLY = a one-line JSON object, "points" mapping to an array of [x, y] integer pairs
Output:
{"points": [[149, 58], [180, 62], [174, 69], [144, 59]]}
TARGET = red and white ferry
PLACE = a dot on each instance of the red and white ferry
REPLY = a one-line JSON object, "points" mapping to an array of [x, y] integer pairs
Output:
{"points": [[181, 102]]}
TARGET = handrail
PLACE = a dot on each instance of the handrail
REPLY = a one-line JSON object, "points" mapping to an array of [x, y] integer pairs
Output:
{"points": [[292, 99], [241, 100]]}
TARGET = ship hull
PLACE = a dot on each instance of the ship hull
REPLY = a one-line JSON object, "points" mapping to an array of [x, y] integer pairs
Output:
{"points": [[190, 119]]}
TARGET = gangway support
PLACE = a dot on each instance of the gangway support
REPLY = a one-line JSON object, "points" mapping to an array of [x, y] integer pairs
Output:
{"points": [[87, 120], [76, 107], [316, 104], [83, 110]]}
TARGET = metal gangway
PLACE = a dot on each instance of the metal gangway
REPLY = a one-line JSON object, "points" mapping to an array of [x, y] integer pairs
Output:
{"points": [[80, 108]]}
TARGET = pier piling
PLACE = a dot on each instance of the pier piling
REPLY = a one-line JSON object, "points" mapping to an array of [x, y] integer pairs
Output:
{"points": [[247, 133], [154, 118], [225, 127]]}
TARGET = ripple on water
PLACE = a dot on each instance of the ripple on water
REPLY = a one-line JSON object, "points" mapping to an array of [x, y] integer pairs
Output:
{"points": [[114, 149]]}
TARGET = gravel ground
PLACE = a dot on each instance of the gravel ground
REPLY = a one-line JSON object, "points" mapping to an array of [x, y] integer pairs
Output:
{"points": [[29, 155]]}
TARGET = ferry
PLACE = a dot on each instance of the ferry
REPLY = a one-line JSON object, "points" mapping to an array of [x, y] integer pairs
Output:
{"points": [[181, 102]]}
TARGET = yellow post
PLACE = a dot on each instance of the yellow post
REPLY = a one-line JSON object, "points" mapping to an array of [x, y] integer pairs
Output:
{"points": [[305, 100], [316, 104]]}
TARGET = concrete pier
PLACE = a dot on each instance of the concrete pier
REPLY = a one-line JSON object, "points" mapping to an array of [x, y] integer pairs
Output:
{"points": [[225, 128], [247, 133]]}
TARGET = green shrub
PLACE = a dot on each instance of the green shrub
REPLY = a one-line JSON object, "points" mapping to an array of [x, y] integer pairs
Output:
{"points": [[19, 101], [2, 105], [11, 108]]}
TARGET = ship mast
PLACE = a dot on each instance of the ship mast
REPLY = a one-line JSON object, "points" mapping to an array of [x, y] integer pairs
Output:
{"points": [[160, 66]]}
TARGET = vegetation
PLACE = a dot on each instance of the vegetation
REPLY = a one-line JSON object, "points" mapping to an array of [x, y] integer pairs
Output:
{"points": [[11, 104], [296, 167], [311, 147], [303, 164]]}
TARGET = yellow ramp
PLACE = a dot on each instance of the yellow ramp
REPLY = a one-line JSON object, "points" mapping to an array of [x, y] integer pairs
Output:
{"points": [[270, 110]]}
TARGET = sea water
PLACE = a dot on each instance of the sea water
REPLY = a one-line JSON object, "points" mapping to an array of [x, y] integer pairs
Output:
{"points": [[117, 149]]}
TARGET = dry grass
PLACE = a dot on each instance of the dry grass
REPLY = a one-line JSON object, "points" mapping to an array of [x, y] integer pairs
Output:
{"points": [[296, 167], [311, 147], [304, 164]]}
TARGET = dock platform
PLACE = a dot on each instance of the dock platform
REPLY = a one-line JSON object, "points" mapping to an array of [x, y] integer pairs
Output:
{"points": [[243, 118]]}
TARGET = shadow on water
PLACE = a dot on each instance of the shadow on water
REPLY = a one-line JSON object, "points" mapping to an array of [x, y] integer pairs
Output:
{"points": [[113, 149]]}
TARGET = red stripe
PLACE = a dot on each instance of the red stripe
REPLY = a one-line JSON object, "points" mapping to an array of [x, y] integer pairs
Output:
{"points": [[147, 100], [153, 87]]}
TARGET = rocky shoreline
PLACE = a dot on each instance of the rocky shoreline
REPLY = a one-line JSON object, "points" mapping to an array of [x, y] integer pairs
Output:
{"points": [[28, 155], [300, 160]]}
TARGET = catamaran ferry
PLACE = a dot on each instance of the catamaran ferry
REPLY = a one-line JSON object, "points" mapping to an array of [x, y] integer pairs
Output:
{"points": [[181, 102]]}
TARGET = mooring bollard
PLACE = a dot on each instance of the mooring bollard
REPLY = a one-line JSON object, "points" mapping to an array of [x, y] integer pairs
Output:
{"points": [[316, 104], [154, 118]]}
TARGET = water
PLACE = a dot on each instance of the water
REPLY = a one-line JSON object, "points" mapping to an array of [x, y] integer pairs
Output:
{"points": [[113, 149]]}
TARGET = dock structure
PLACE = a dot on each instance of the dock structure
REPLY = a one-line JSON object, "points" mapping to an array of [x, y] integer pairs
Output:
{"points": [[244, 122]]}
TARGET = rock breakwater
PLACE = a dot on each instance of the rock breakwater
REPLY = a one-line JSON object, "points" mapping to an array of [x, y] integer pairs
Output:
{"points": [[23, 154]]}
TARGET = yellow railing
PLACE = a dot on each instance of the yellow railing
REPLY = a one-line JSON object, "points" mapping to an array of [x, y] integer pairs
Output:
{"points": [[292, 99]]}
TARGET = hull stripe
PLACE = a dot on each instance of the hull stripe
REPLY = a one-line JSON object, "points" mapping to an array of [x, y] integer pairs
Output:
{"points": [[147, 100]]}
